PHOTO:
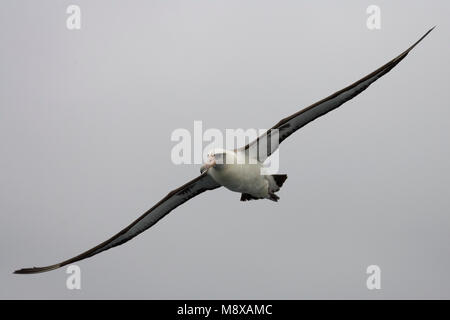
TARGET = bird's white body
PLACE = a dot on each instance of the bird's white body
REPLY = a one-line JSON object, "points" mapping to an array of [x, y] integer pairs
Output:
{"points": [[241, 174]]}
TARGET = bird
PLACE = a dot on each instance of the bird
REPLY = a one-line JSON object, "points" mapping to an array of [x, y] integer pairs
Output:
{"points": [[238, 170]]}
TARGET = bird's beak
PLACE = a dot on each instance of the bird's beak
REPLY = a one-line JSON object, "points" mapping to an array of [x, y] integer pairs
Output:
{"points": [[210, 163]]}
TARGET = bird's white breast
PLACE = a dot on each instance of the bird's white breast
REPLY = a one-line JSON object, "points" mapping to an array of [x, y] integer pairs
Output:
{"points": [[241, 177]]}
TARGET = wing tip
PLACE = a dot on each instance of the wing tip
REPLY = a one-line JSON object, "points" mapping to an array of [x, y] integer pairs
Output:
{"points": [[421, 38], [431, 29], [400, 57], [37, 269]]}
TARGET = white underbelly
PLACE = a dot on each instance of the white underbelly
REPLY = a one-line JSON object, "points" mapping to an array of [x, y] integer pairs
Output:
{"points": [[244, 178]]}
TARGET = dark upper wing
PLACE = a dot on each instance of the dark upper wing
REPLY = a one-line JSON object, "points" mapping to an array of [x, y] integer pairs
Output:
{"points": [[175, 198], [287, 126]]}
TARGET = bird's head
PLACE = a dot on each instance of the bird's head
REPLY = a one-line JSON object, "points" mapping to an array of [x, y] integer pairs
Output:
{"points": [[210, 161], [216, 158]]}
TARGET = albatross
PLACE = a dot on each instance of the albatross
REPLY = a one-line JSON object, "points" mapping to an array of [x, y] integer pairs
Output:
{"points": [[238, 170]]}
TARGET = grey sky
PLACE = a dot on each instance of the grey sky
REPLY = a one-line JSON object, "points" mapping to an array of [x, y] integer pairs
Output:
{"points": [[85, 124]]}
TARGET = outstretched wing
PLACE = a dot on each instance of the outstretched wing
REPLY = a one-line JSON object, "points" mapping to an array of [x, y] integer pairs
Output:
{"points": [[175, 198], [267, 143]]}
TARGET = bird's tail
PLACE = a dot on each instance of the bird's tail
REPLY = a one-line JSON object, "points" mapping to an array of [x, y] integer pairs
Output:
{"points": [[275, 185], [279, 179]]}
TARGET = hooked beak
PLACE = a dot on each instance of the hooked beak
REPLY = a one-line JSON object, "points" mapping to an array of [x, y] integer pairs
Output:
{"points": [[210, 163]]}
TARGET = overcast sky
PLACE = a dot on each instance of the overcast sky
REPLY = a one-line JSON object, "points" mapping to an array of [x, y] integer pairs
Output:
{"points": [[86, 118]]}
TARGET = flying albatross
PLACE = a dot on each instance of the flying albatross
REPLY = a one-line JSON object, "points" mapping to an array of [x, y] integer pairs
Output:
{"points": [[223, 168]]}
